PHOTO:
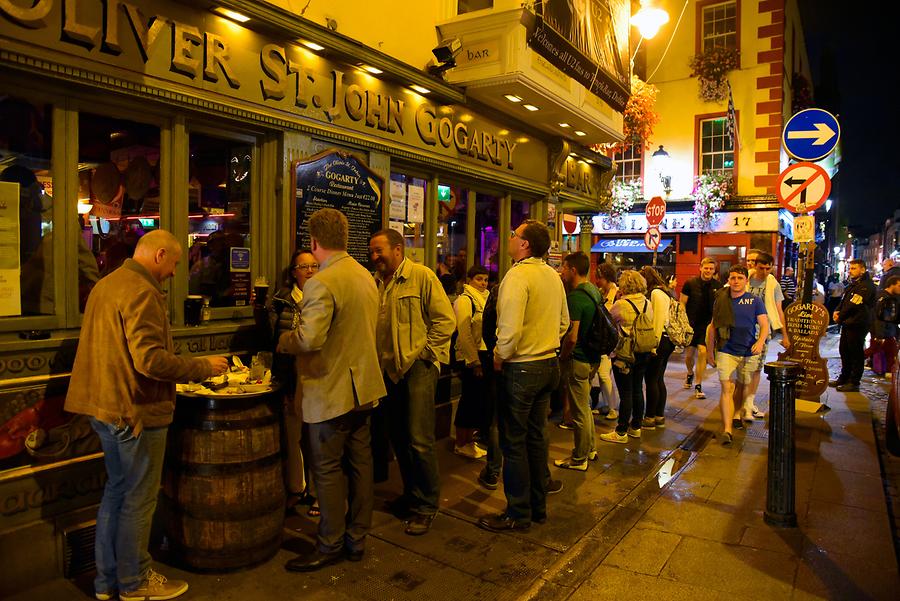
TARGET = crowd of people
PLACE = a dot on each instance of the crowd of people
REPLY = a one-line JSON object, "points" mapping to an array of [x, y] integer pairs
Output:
{"points": [[359, 359]]}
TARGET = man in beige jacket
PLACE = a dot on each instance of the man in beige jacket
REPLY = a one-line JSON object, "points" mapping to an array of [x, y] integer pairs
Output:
{"points": [[415, 323], [124, 379], [340, 383]]}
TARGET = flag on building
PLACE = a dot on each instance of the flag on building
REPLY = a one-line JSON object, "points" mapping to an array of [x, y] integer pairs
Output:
{"points": [[731, 121]]}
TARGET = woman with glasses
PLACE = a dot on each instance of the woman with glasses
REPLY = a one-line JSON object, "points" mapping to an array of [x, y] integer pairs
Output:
{"points": [[284, 315]]}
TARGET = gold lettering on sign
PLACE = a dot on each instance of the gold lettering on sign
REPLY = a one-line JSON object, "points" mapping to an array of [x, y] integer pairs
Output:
{"points": [[425, 124], [273, 63], [111, 43], [184, 39], [74, 31], [145, 32], [215, 52], [34, 17], [355, 102], [303, 81]]}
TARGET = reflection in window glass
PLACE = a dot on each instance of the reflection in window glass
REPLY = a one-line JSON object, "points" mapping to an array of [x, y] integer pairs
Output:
{"points": [[25, 138], [219, 185], [118, 188], [407, 212], [451, 237], [488, 242]]}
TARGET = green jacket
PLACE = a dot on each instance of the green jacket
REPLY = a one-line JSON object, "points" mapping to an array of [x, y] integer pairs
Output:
{"points": [[421, 318]]}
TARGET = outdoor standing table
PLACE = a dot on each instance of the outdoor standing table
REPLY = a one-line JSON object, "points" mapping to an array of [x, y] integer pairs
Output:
{"points": [[223, 489]]}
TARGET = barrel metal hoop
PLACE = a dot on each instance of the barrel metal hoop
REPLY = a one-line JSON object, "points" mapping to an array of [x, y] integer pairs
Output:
{"points": [[215, 513], [224, 469], [195, 422]]}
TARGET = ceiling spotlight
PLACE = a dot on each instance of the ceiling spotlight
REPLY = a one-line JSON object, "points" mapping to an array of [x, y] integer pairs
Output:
{"points": [[531, 107], [419, 89], [312, 45], [372, 70], [512, 97], [578, 132], [564, 125]]}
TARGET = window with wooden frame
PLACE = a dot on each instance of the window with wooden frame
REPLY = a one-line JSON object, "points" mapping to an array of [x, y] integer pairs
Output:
{"points": [[716, 151], [629, 164], [718, 25]]}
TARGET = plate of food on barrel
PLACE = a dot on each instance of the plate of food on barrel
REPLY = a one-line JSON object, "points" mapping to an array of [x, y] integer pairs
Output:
{"points": [[238, 380]]}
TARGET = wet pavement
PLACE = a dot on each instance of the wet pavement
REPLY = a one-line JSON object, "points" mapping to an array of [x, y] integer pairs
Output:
{"points": [[673, 515]]}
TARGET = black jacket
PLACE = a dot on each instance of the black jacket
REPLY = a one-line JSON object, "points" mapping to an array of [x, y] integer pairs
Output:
{"points": [[858, 303]]}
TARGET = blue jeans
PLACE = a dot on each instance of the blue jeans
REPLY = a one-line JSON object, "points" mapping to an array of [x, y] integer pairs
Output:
{"points": [[523, 410], [133, 468], [409, 411]]}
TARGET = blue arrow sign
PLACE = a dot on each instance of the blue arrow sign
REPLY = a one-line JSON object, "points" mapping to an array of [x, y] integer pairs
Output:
{"points": [[811, 134]]}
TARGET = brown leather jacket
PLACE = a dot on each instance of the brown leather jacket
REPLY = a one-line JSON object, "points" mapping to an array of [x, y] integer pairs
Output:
{"points": [[126, 367]]}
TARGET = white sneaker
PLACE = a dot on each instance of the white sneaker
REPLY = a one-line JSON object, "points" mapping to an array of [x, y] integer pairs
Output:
{"points": [[698, 392], [104, 596], [613, 414], [569, 464], [614, 437], [156, 588], [634, 432], [757, 412], [469, 450]]}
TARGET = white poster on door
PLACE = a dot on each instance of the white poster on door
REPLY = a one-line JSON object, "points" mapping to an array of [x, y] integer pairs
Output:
{"points": [[398, 200], [415, 204], [10, 267]]}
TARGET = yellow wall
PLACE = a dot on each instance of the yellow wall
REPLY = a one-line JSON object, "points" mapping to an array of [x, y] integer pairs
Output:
{"points": [[678, 102]]}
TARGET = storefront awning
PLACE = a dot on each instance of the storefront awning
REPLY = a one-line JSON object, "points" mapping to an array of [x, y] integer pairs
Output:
{"points": [[626, 245]]}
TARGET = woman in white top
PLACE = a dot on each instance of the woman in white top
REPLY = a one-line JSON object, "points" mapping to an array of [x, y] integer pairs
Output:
{"points": [[472, 354], [660, 298]]}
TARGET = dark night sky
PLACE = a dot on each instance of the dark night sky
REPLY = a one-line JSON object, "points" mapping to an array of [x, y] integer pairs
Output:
{"points": [[854, 75]]}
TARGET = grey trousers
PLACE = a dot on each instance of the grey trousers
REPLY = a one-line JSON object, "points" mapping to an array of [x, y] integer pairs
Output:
{"points": [[342, 464]]}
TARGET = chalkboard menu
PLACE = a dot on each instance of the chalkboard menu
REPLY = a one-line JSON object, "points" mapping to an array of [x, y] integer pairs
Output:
{"points": [[806, 324], [339, 180]]}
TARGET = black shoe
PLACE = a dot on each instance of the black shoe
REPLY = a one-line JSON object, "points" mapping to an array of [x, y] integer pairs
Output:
{"points": [[837, 382], [313, 561], [489, 481], [419, 524], [399, 508], [502, 523], [727, 439], [737, 424], [554, 486], [540, 518], [354, 554], [848, 387]]}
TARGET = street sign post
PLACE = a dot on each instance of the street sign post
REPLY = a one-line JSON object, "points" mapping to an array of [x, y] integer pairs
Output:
{"points": [[803, 187], [811, 134]]}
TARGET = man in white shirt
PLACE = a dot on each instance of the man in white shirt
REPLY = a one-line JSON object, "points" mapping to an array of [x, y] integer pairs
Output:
{"points": [[532, 317]]}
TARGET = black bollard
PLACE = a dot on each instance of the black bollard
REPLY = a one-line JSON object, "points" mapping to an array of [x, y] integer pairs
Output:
{"points": [[780, 509]]}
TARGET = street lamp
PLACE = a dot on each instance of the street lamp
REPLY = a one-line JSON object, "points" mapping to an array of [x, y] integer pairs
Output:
{"points": [[648, 20], [661, 164]]}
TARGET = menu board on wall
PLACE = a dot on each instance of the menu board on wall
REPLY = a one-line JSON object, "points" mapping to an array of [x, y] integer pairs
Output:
{"points": [[10, 286], [339, 180]]}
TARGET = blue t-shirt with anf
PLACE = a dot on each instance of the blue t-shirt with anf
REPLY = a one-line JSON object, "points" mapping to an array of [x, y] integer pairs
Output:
{"points": [[747, 308]]}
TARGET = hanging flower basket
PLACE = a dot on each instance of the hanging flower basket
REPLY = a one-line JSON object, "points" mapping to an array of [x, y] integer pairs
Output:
{"points": [[624, 195], [711, 67], [638, 119], [711, 192]]}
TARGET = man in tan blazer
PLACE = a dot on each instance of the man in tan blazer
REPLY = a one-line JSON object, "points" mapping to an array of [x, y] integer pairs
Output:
{"points": [[340, 383]]}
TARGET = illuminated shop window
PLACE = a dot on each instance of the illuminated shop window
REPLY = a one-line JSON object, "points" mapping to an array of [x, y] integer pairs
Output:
{"points": [[720, 25], [488, 241], [25, 154], [118, 187], [628, 164], [219, 190], [716, 151]]}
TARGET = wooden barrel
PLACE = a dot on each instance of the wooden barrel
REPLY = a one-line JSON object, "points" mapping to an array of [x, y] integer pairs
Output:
{"points": [[223, 490]]}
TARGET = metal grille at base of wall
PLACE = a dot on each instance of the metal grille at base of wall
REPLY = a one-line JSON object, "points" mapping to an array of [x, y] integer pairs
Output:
{"points": [[78, 554]]}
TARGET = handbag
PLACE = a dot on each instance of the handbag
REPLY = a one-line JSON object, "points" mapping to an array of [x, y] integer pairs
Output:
{"points": [[72, 439]]}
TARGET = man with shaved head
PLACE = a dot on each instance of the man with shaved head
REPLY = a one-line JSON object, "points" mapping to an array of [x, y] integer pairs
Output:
{"points": [[124, 380]]}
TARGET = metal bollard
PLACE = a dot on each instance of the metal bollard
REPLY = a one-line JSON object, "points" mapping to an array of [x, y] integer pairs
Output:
{"points": [[780, 510]]}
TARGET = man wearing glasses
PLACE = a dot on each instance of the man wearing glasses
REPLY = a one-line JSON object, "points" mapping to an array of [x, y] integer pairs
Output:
{"points": [[532, 317]]}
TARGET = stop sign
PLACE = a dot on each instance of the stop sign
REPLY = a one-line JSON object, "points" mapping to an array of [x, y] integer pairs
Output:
{"points": [[656, 210]]}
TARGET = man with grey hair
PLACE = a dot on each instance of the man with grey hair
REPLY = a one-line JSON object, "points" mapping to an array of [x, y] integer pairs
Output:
{"points": [[124, 379], [340, 383], [415, 324]]}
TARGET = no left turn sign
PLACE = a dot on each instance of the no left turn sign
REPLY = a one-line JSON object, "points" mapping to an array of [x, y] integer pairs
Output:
{"points": [[803, 187]]}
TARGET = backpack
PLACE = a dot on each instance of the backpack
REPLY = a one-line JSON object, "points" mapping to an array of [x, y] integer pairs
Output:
{"points": [[887, 308], [454, 362], [489, 319], [601, 336], [642, 338], [678, 328]]}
